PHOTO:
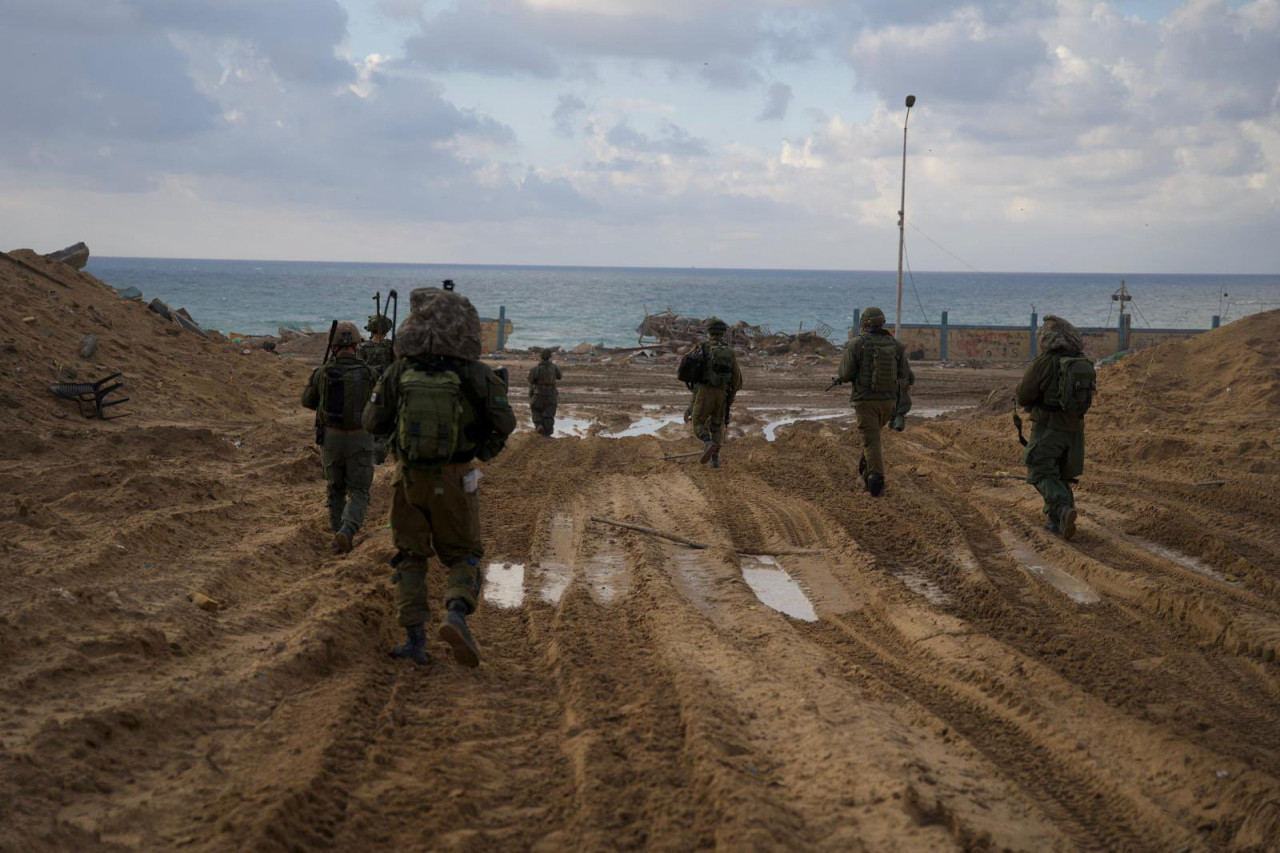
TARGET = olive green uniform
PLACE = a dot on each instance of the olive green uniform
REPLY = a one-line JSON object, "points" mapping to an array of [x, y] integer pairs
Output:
{"points": [[710, 407], [378, 355], [436, 510], [544, 397], [1055, 453], [874, 409], [346, 451]]}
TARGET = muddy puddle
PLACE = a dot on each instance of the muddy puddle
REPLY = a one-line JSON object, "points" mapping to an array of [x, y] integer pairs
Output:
{"points": [[923, 586], [1058, 577], [777, 589], [1176, 557], [607, 577], [504, 585], [553, 574], [694, 579]]}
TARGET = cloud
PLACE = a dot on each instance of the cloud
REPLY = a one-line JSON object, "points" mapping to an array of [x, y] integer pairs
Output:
{"points": [[777, 100], [672, 141], [568, 108]]}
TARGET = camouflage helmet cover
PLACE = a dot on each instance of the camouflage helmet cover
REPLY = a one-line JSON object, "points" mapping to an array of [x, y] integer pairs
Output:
{"points": [[545, 354], [440, 322], [379, 324], [872, 318], [716, 326], [346, 335]]}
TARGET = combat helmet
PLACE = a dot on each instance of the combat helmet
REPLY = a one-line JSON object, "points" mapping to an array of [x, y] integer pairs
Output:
{"points": [[545, 354], [716, 326], [346, 335], [872, 318], [379, 324], [440, 322]]}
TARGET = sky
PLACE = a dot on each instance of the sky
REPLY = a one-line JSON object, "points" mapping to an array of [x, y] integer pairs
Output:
{"points": [[1048, 135]]}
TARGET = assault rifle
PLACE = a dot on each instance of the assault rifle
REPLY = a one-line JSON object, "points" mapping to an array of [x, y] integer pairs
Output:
{"points": [[394, 299], [1017, 422], [328, 353], [835, 380]]}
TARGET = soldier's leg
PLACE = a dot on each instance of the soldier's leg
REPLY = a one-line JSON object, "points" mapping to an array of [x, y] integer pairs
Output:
{"points": [[715, 416], [411, 530], [455, 522], [1045, 457], [869, 426], [380, 448], [700, 407], [335, 472], [550, 416], [360, 465]]}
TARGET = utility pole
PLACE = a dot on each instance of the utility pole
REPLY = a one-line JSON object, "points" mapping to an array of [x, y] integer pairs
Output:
{"points": [[902, 217]]}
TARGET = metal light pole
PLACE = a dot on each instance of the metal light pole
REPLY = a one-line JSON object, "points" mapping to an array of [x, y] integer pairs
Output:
{"points": [[902, 216]]}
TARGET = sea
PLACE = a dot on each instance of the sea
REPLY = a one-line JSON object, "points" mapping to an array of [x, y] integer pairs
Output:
{"points": [[565, 306]]}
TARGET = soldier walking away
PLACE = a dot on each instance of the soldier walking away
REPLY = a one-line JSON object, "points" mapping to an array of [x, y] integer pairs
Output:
{"points": [[338, 391], [876, 364], [443, 409], [1057, 389], [377, 353], [711, 371], [543, 394]]}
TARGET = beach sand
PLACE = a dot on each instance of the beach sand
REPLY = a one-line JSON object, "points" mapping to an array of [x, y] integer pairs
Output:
{"points": [[926, 671]]}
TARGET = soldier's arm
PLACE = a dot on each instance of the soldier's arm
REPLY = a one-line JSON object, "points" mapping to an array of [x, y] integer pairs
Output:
{"points": [[311, 394], [379, 417], [502, 420], [849, 362], [533, 373], [1034, 380], [736, 384], [559, 374]]}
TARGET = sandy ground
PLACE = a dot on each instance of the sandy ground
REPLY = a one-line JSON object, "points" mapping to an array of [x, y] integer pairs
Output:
{"points": [[927, 671]]}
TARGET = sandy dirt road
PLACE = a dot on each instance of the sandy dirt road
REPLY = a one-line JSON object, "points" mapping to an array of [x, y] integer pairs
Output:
{"points": [[926, 671]]}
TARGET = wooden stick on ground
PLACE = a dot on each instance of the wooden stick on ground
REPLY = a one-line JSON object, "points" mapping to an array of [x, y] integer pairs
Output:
{"points": [[684, 455], [650, 531], [1210, 483]]}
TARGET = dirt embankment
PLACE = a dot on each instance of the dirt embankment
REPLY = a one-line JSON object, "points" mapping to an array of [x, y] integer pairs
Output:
{"points": [[927, 671]]}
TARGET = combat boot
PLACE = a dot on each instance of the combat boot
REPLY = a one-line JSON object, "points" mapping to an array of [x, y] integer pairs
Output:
{"points": [[415, 645], [455, 632], [1051, 525], [343, 539], [875, 484], [1067, 522], [715, 460], [709, 449]]}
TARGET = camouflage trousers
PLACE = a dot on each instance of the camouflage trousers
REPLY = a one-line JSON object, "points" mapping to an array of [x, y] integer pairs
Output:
{"points": [[348, 466], [543, 407], [873, 417], [709, 406], [1054, 456], [433, 513]]}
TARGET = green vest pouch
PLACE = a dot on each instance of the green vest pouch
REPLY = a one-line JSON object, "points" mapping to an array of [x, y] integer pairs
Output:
{"points": [[719, 365], [1076, 380], [428, 417], [343, 393], [878, 372]]}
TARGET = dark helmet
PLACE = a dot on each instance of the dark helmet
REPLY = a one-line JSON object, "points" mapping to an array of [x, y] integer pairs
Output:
{"points": [[716, 326], [379, 324], [872, 318], [545, 354], [347, 335]]}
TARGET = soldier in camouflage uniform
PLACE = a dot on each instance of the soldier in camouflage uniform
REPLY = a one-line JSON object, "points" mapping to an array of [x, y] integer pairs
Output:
{"points": [[543, 394], [876, 365], [338, 391], [713, 396], [1055, 454], [438, 391], [377, 353]]}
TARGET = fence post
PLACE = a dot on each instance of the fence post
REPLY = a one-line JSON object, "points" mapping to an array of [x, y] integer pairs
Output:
{"points": [[942, 338], [1215, 321], [502, 327], [857, 323], [1124, 333], [1035, 322]]}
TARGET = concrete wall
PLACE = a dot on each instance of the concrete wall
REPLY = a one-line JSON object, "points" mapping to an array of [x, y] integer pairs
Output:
{"points": [[489, 334]]}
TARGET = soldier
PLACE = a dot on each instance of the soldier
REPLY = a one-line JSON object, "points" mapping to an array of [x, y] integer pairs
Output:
{"points": [[1057, 388], [877, 366], [338, 391], [714, 390], [377, 353], [443, 409], [543, 395]]}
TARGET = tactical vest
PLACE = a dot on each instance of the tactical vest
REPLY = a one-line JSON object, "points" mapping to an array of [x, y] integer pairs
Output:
{"points": [[345, 387], [719, 365], [544, 374], [430, 417], [376, 355], [878, 370]]}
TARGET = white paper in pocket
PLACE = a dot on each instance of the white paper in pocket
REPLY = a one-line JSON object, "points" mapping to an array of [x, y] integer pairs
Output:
{"points": [[471, 481]]}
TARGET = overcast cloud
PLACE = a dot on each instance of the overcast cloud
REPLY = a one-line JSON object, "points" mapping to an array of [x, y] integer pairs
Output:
{"points": [[1059, 136]]}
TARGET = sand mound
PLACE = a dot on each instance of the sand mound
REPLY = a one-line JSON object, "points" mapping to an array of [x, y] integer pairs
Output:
{"points": [[170, 373]]}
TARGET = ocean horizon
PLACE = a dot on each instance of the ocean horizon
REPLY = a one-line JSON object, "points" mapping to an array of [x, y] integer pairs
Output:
{"points": [[566, 305]]}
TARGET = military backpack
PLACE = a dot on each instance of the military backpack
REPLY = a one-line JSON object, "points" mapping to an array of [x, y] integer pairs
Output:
{"points": [[544, 374], [428, 417], [1074, 383], [719, 365], [692, 368], [878, 372], [343, 394]]}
